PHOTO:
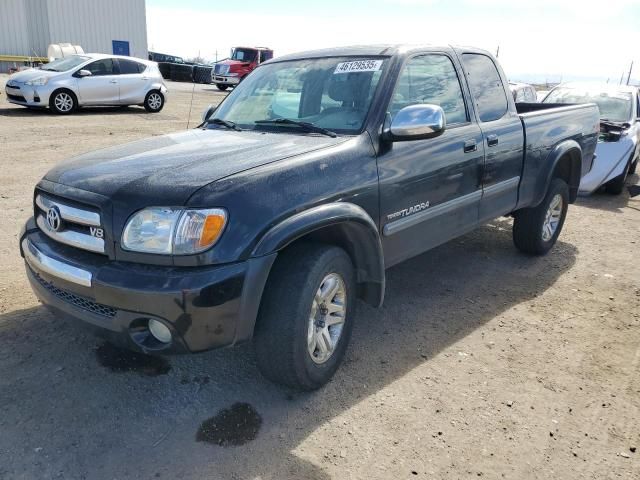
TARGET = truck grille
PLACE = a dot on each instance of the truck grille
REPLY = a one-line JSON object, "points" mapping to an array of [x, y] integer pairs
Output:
{"points": [[76, 300], [221, 69], [70, 225]]}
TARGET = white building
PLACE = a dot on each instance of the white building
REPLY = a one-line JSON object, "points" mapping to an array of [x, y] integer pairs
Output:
{"points": [[28, 27]]}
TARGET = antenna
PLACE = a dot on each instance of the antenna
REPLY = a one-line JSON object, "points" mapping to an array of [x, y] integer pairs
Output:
{"points": [[629, 75], [191, 104]]}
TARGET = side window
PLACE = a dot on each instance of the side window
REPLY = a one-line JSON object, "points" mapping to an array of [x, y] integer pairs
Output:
{"points": [[128, 67], [520, 95], [486, 86], [100, 67], [530, 95], [430, 79]]}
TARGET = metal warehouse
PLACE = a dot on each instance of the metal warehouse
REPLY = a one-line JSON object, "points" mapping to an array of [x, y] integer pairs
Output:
{"points": [[28, 27]]}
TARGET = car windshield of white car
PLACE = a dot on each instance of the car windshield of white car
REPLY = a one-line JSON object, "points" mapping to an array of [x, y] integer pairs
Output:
{"points": [[614, 106], [65, 64]]}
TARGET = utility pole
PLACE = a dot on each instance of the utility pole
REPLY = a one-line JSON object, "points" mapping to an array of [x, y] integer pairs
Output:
{"points": [[621, 78], [498, 52], [629, 75]]}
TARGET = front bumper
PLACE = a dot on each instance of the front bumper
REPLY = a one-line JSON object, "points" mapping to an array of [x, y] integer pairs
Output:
{"points": [[204, 307], [224, 80], [27, 95]]}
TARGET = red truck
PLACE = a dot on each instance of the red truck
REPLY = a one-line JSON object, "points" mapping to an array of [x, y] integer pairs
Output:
{"points": [[243, 60]]}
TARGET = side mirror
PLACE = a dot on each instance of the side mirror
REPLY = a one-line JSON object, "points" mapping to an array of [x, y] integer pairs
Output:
{"points": [[209, 111], [84, 73], [416, 122]]}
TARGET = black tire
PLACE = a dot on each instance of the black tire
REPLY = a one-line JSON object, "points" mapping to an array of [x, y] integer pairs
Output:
{"points": [[150, 101], [616, 186], [280, 337], [633, 167], [58, 102], [528, 224], [221, 86]]}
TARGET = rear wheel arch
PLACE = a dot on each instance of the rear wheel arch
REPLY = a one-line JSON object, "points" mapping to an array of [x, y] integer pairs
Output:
{"points": [[567, 158], [344, 225]]}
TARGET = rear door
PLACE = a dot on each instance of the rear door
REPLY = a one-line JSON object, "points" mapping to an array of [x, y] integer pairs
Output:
{"points": [[503, 136], [430, 189], [132, 81], [101, 87]]}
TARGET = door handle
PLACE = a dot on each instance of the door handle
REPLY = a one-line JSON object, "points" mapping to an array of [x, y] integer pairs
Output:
{"points": [[113, 81], [492, 140], [470, 146]]}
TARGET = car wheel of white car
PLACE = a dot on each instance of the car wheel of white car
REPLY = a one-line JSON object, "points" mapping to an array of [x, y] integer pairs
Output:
{"points": [[154, 101], [63, 102], [616, 186]]}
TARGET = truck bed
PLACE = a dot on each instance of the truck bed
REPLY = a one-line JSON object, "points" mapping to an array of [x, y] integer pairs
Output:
{"points": [[579, 122]]}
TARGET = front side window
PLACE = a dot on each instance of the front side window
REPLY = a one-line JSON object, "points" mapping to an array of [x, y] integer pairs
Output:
{"points": [[100, 67], [332, 93], [430, 79], [614, 105], [486, 86]]}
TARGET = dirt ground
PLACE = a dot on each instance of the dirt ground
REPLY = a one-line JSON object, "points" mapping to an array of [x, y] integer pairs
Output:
{"points": [[482, 363]]}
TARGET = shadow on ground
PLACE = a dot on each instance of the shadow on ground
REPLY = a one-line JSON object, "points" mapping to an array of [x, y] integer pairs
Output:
{"points": [[65, 414]]}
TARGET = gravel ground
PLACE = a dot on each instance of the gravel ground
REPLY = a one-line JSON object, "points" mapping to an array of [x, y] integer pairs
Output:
{"points": [[482, 363]]}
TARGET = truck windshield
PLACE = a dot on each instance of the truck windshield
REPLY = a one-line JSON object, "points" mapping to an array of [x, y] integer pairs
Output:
{"points": [[614, 106], [243, 55], [65, 64], [332, 93]]}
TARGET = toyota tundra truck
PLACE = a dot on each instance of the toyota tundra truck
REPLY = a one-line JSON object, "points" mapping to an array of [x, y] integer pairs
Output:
{"points": [[283, 209]]}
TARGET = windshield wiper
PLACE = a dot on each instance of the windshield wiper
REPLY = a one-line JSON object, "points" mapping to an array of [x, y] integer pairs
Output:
{"points": [[307, 126], [48, 69], [225, 123]]}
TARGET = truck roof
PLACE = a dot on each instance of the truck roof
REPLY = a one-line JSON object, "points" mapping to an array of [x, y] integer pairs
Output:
{"points": [[370, 50]]}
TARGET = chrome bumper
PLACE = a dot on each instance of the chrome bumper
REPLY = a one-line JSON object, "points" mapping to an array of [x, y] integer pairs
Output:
{"points": [[41, 262]]}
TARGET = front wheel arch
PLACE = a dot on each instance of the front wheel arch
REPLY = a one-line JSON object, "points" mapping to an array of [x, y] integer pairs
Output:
{"points": [[344, 225]]}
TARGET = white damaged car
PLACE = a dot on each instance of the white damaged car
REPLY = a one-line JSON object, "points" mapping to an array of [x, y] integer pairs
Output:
{"points": [[619, 143]]}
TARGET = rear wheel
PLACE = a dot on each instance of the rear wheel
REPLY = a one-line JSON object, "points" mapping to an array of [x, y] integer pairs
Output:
{"points": [[154, 101], [306, 316], [535, 230], [616, 186], [221, 86], [63, 102]]}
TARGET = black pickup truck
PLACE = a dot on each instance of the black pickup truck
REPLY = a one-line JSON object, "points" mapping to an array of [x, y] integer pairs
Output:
{"points": [[271, 219]]}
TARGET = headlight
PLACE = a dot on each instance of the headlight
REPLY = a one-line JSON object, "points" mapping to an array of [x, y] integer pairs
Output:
{"points": [[38, 81], [173, 231]]}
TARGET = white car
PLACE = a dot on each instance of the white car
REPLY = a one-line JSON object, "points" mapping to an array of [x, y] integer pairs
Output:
{"points": [[89, 80], [618, 147]]}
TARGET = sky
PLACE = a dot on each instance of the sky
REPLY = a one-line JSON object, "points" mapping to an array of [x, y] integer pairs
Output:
{"points": [[539, 40]]}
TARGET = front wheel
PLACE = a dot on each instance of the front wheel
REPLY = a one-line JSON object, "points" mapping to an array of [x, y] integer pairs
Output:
{"points": [[221, 86], [633, 167], [535, 230], [63, 102], [306, 316], [154, 101], [616, 186]]}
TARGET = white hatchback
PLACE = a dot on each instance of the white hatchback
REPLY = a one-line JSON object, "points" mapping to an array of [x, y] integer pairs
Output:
{"points": [[89, 80]]}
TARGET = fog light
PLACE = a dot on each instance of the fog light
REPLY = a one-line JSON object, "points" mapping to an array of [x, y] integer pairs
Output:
{"points": [[159, 331]]}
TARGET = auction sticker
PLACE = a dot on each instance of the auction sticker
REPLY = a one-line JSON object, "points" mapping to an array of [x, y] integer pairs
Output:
{"points": [[358, 66]]}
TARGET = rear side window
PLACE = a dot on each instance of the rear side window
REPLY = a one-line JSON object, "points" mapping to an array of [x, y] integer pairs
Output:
{"points": [[530, 95], [430, 79], [101, 67], [486, 86], [128, 67]]}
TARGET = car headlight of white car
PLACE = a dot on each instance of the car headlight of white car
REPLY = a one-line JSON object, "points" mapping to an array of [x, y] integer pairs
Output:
{"points": [[166, 230], [38, 82]]}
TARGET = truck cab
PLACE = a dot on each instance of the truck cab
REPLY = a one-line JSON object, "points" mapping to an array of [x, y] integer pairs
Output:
{"points": [[243, 60]]}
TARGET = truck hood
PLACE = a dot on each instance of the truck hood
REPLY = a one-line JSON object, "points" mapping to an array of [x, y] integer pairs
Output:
{"points": [[170, 168]]}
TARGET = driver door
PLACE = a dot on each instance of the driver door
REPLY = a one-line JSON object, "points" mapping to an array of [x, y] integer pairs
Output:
{"points": [[101, 87], [430, 189]]}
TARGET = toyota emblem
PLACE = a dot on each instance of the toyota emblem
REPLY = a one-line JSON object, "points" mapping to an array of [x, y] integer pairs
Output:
{"points": [[53, 219]]}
